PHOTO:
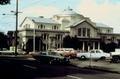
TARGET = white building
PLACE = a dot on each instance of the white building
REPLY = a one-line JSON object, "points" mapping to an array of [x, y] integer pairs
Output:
{"points": [[52, 30]]}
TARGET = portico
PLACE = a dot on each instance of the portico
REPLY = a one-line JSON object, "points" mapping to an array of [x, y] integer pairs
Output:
{"points": [[87, 44]]}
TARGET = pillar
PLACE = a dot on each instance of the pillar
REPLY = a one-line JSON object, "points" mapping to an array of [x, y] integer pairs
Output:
{"points": [[83, 47], [98, 45], [93, 45]]}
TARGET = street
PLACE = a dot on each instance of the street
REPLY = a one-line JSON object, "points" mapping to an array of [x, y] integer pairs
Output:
{"points": [[32, 69]]}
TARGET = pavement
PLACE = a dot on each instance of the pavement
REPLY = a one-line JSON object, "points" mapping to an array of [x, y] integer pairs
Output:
{"points": [[87, 64], [97, 65]]}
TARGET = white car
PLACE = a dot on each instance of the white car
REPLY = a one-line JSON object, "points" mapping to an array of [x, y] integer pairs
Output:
{"points": [[94, 54]]}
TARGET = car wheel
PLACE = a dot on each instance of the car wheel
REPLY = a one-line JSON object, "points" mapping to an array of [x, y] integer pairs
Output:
{"points": [[115, 60], [51, 62], [83, 57]]}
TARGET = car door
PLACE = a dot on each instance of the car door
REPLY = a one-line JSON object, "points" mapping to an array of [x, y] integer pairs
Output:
{"points": [[92, 54], [98, 54]]}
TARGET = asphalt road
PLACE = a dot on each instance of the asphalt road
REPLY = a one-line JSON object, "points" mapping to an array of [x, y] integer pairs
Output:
{"points": [[32, 69]]}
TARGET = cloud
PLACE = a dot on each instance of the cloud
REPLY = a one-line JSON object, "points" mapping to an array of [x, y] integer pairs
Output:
{"points": [[106, 12]]}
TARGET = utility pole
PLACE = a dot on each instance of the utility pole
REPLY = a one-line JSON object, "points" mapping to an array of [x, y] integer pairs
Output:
{"points": [[34, 40], [16, 30]]}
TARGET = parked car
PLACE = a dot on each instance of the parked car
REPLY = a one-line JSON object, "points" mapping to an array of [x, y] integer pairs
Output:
{"points": [[67, 52], [94, 54], [115, 56], [51, 58]]}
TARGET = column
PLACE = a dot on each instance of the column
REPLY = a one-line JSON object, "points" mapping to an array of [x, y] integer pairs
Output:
{"points": [[98, 45], [93, 45], [83, 47], [88, 46], [46, 46]]}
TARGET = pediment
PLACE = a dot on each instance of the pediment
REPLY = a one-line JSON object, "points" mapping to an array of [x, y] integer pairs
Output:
{"points": [[83, 24]]}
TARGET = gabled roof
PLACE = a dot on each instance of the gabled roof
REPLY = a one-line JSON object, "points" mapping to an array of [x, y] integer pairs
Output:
{"points": [[43, 20], [40, 20], [80, 22]]}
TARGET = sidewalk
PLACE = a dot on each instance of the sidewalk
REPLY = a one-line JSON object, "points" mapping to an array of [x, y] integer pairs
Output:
{"points": [[23, 57], [99, 65]]}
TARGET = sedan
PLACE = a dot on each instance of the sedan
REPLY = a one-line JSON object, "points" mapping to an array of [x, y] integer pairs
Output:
{"points": [[51, 58]]}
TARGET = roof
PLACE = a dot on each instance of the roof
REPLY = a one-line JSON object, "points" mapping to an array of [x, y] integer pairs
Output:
{"points": [[117, 34], [81, 21], [102, 25], [43, 20], [76, 23]]}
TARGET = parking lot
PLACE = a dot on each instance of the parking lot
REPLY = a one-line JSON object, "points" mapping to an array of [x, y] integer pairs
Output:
{"points": [[101, 64]]}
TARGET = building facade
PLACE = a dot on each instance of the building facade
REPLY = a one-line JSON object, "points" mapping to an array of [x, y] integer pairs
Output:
{"points": [[52, 30]]}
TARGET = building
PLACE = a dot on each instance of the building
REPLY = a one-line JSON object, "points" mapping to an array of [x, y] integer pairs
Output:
{"points": [[52, 30]]}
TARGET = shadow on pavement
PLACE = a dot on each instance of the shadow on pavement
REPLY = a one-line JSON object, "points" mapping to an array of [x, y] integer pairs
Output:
{"points": [[25, 69]]}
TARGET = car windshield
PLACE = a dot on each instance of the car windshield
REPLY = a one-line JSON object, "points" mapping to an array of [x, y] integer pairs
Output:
{"points": [[53, 53]]}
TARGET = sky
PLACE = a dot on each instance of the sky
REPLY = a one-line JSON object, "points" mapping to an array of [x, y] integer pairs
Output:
{"points": [[100, 11]]}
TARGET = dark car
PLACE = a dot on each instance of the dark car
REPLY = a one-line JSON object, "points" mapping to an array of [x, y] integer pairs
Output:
{"points": [[51, 58]]}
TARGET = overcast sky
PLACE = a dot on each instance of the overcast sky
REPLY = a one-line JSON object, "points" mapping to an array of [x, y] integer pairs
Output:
{"points": [[101, 11]]}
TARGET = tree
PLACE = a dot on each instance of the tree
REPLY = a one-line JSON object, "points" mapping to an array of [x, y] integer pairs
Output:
{"points": [[3, 41], [4, 2], [75, 42], [38, 44], [67, 42], [11, 38], [71, 42]]}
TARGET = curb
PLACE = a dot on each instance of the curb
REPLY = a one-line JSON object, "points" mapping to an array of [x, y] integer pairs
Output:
{"points": [[97, 68], [15, 57], [100, 69]]}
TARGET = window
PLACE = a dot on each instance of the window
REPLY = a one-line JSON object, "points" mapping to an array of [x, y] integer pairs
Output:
{"points": [[79, 32], [98, 51], [58, 37], [113, 38], [38, 27], [84, 31], [108, 31], [27, 26], [41, 26], [88, 32], [92, 52], [55, 27], [44, 36]]}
